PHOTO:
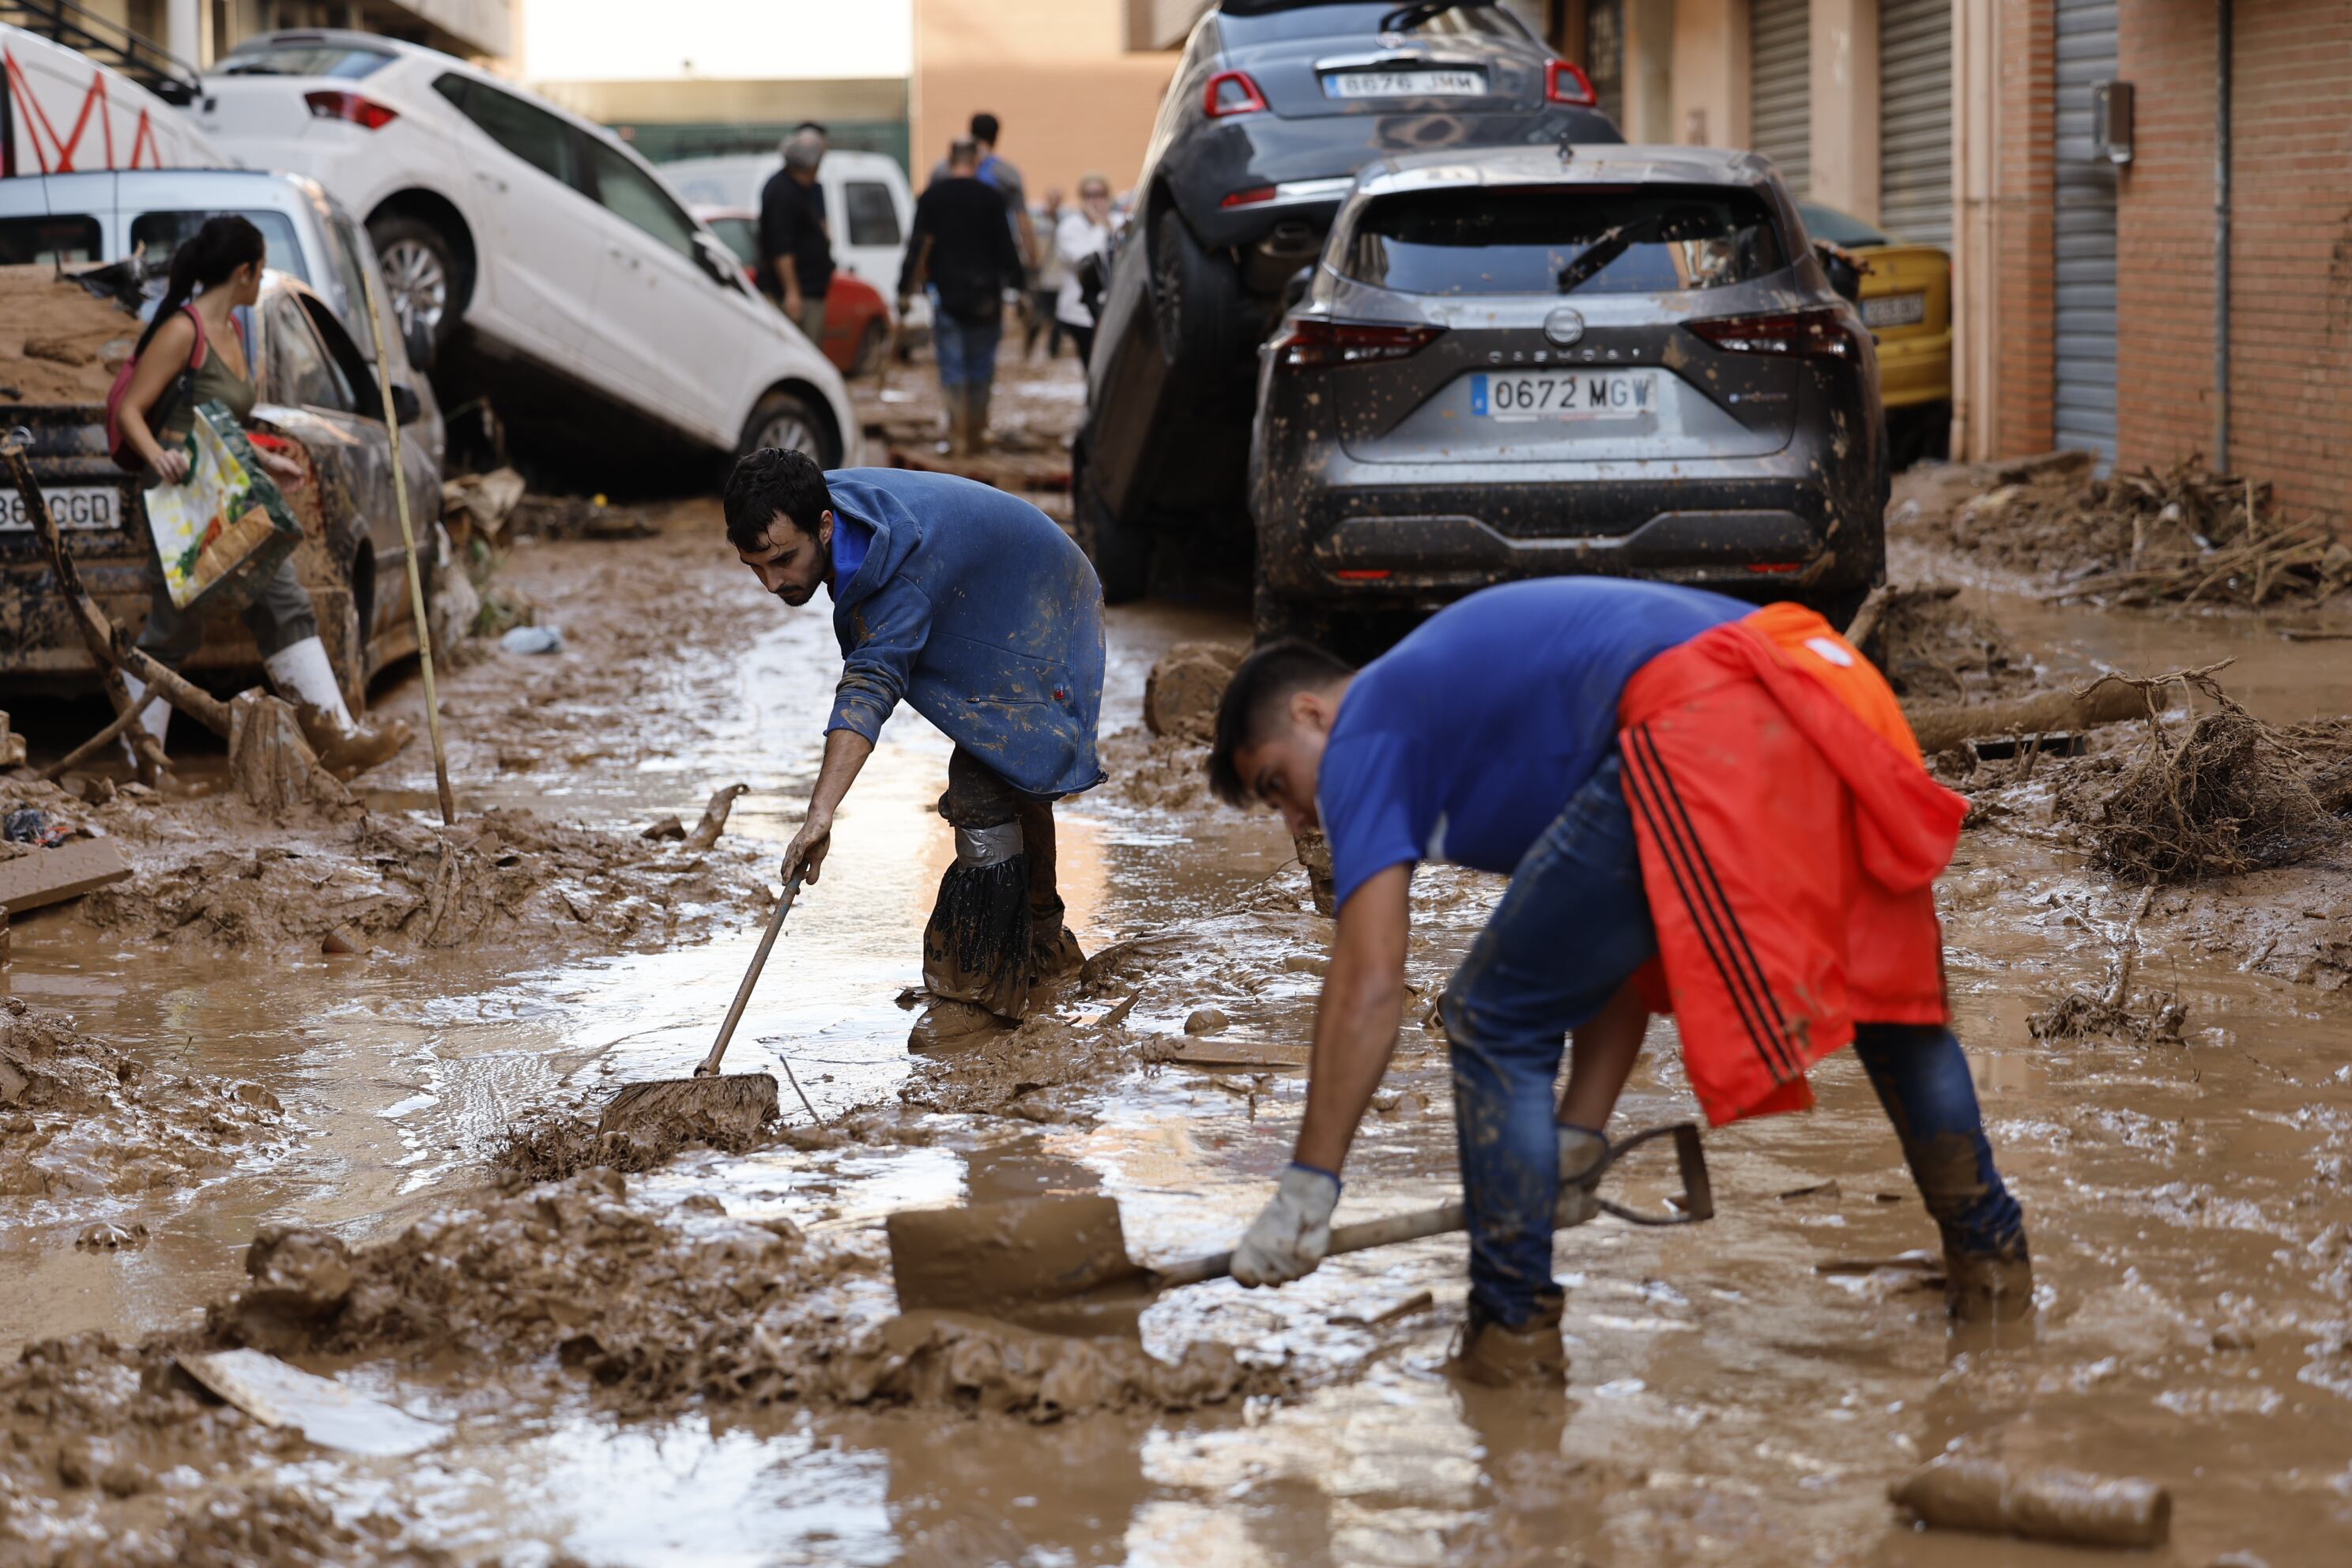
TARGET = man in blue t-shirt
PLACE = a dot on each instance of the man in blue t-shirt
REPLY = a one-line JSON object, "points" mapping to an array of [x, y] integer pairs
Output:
{"points": [[1488, 739]]}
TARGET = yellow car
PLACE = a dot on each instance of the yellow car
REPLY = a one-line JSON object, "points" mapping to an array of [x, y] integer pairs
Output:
{"points": [[1906, 303]]}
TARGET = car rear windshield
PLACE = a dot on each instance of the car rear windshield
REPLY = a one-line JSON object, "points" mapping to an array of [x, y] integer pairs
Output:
{"points": [[305, 58], [1475, 18], [61, 238], [1548, 240]]}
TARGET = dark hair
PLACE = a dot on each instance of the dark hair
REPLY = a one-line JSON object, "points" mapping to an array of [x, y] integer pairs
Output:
{"points": [[984, 128], [1265, 677], [769, 482], [206, 257], [810, 125]]}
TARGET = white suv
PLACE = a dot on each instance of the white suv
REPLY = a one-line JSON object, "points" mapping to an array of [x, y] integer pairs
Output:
{"points": [[546, 238]]}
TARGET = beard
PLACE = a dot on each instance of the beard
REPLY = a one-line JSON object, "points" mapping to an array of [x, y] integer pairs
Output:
{"points": [[797, 598]]}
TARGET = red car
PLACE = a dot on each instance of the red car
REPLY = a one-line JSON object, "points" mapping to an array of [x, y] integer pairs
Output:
{"points": [[856, 316]]}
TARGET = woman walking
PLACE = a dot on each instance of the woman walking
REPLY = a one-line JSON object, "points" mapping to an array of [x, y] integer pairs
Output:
{"points": [[194, 351], [1084, 231]]}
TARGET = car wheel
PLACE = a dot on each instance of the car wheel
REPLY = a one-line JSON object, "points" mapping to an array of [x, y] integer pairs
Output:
{"points": [[870, 344], [784, 421], [1122, 553], [424, 281], [1196, 303]]}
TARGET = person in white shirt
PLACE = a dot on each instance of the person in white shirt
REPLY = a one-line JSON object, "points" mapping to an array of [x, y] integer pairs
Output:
{"points": [[1083, 232]]}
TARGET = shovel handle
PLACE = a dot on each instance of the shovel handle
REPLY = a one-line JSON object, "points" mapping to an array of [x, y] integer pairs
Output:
{"points": [[710, 1068], [1386, 1232]]}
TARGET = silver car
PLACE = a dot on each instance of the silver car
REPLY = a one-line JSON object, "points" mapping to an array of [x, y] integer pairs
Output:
{"points": [[1514, 363]]}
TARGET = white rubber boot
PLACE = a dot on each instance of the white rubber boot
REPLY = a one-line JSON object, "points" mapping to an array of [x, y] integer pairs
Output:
{"points": [[155, 721], [306, 676]]}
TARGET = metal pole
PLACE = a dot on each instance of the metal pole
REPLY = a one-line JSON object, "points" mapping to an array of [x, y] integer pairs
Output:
{"points": [[408, 538], [2223, 158]]}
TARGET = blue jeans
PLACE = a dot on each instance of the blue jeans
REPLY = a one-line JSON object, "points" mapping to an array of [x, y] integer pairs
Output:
{"points": [[1571, 928], [966, 350]]}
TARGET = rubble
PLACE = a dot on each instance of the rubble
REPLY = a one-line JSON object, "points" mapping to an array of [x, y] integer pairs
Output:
{"points": [[58, 342]]}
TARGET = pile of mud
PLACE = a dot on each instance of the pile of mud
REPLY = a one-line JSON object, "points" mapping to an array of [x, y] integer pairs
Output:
{"points": [[111, 1458], [2187, 535], [58, 342], [660, 1309], [77, 1117], [508, 879], [2232, 794], [1932, 649], [1043, 1071]]}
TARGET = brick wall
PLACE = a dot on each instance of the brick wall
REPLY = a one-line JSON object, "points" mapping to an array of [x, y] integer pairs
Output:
{"points": [[2164, 222], [2291, 255], [2024, 293]]}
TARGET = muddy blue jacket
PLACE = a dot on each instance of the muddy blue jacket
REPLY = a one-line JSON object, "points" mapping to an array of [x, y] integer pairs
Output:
{"points": [[975, 607]]}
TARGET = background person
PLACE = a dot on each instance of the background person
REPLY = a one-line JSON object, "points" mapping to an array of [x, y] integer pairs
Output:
{"points": [[1084, 231], [1045, 282], [960, 243], [215, 272], [997, 173], [795, 242]]}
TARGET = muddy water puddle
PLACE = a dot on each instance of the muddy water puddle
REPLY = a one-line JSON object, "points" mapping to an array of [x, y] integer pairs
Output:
{"points": [[1730, 1402]]}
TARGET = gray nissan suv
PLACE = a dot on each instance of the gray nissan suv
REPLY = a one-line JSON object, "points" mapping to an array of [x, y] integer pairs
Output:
{"points": [[1517, 362]]}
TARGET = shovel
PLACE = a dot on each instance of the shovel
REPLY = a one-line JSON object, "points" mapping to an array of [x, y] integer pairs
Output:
{"points": [[732, 1104], [1061, 1264]]}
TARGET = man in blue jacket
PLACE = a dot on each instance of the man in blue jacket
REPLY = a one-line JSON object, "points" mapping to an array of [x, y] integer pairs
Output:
{"points": [[975, 607]]}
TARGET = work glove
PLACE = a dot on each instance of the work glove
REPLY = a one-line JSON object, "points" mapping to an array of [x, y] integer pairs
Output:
{"points": [[1583, 1156], [1289, 1238]]}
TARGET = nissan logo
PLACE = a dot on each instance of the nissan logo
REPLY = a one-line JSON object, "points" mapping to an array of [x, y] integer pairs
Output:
{"points": [[1564, 326]]}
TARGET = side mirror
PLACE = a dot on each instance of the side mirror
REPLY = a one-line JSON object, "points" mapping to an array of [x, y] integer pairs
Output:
{"points": [[405, 406], [718, 262], [1845, 271]]}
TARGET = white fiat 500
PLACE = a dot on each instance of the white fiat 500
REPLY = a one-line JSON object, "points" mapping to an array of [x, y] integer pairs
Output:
{"points": [[520, 232]]}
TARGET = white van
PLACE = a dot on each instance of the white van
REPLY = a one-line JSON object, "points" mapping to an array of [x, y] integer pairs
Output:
{"points": [[547, 237], [868, 204]]}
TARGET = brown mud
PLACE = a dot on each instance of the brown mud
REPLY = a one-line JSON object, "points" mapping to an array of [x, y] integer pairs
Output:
{"points": [[58, 342]]}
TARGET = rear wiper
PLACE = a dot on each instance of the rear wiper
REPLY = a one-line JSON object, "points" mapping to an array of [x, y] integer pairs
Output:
{"points": [[1597, 256], [1406, 18]]}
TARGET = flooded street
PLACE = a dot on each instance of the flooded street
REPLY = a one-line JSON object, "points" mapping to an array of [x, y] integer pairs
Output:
{"points": [[668, 1366]]}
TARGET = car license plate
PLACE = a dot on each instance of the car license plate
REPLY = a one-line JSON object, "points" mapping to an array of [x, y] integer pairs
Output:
{"points": [[1565, 394], [1405, 84], [73, 506], [1895, 311]]}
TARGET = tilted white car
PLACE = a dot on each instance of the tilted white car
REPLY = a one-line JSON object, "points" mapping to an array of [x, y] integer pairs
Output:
{"points": [[549, 240]]}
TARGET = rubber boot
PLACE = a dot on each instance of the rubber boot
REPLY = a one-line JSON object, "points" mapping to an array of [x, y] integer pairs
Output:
{"points": [[948, 1022], [977, 393], [156, 720], [1988, 1288], [345, 748], [958, 421], [1493, 1356]]}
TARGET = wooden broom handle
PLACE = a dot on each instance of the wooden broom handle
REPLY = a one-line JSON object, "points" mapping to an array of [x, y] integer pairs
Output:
{"points": [[710, 1068]]}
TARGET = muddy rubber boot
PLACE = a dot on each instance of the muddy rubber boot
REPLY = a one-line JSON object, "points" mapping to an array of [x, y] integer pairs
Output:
{"points": [[1988, 1288], [1530, 1356], [345, 747], [946, 1024], [958, 422], [976, 393], [1054, 952]]}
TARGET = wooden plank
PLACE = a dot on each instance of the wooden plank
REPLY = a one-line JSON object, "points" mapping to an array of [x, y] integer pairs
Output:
{"points": [[65, 871], [1254, 1055]]}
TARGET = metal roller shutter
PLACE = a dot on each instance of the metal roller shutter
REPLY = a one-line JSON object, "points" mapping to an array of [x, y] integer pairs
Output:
{"points": [[2086, 372], [1780, 86], [1915, 120]]}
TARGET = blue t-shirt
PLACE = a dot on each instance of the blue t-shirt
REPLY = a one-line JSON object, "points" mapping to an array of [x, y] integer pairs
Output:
{"points": [[1464, 741]]}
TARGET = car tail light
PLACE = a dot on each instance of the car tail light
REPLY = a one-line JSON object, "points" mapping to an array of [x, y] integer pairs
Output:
{"points": [[1315, 345], [1232, 92], [1565, 83], [1804, 334], [364, 113], [1256, 195]]}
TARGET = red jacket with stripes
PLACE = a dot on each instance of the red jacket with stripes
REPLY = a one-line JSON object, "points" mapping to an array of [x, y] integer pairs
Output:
{"points": [[1790, 841]]}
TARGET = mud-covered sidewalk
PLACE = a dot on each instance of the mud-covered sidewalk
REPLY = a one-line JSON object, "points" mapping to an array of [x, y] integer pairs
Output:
{"points": [[692, 1354]]}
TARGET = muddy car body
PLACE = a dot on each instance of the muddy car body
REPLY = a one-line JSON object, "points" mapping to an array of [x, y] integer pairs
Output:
{"points": [[1625, 360], [316, 389], [1275, 106]]}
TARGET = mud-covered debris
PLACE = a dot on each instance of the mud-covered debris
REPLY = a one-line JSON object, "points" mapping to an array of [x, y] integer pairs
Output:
{"points": [[505, 878], [1985, 1494], [580, 517], [2185, 535], [554, 1147], [1932, 648], [1038, 1072], [107, 1235], [1180, 694], [2078, 1015], [80, 1118], [1206, 1021], [2231, 795]]}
